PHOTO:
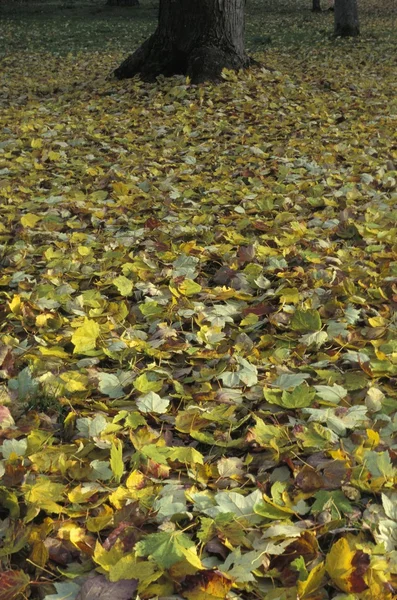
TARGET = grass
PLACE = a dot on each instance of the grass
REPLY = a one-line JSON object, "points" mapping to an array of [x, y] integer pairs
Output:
{"points": [[70, 27]]}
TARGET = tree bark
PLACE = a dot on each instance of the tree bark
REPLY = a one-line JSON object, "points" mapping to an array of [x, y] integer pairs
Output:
{"points": [[122, 3], [197, 38], [346, 18], [316, 7]]}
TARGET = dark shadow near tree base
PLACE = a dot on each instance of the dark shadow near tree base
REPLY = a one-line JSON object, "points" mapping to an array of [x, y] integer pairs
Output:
{"points": [[197, 38], [122, 3]]}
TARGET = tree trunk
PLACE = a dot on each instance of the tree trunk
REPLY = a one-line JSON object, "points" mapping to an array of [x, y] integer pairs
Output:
{"points": [[122, 3], [346, 18], [197, 38], [316, 7]]}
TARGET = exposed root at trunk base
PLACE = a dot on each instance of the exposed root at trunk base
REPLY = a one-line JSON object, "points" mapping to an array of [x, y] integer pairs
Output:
{"points": [[156, 57]]}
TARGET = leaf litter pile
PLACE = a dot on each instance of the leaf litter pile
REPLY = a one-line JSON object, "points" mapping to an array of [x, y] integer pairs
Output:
{"points": [[198, 350]]}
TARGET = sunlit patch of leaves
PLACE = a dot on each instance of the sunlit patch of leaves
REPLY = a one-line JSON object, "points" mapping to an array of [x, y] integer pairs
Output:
{"points": [[198, 332]]}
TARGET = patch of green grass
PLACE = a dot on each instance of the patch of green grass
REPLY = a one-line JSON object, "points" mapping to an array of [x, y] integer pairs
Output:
{"points": [[69, 26], [50, 405]]}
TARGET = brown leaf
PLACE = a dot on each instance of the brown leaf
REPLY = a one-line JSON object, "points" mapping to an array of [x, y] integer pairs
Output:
{"points": [[246, 254], [305, 546], [14, 474], [224, 275], [58, 552], [259, 309], [308, 480], [206, 585], [99, 588], [12, 584], [360, 562], [335, 473]]}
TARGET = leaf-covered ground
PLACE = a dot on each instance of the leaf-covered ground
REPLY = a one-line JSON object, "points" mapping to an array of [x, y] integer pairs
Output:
{"points": [[198, 350]]}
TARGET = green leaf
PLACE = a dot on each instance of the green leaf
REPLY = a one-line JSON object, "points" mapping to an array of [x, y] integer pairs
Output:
{"points": [[109, 385], [24, 384], [379, 464], [124, 285], [318, 338], [239, 566], [267, 435], [152, 403], [334, 501], [191, 456], [287, 381], [148, 382], [301, 397], [237, 504], [306, 321], [270, 510], [64, 591], [168, 548], [100, 470], [91, 428], [389, 503], [185, 266], [248, 373], [134, 420], [17, 447], [331, 393]]}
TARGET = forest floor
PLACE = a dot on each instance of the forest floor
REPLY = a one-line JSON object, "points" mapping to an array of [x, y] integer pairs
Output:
{"points": [[198, 334]]}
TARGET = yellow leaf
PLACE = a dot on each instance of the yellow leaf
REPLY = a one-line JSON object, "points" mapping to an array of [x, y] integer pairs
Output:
{"points": [[71, 532], [53, 351], [290, 296], [116, 459], [36, 143], [119, 497], [39, 553], [129, 568], [84, 251], [120, 188], [312, 583], [81, 494], [373, 437], [44, 495], [92, 171], [54, 156], [15, 305], [339, 564], [377, 322], [250, 319], [85, 337], [135, 481], [188, 287], [108, 558], [75, 381], [41, 320], [29, 220], [96, 524]]}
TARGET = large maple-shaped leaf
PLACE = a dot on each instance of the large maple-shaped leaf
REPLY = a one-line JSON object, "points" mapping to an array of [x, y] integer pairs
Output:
{"points": [[168, 548], [12, 583], [99, 588]]}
